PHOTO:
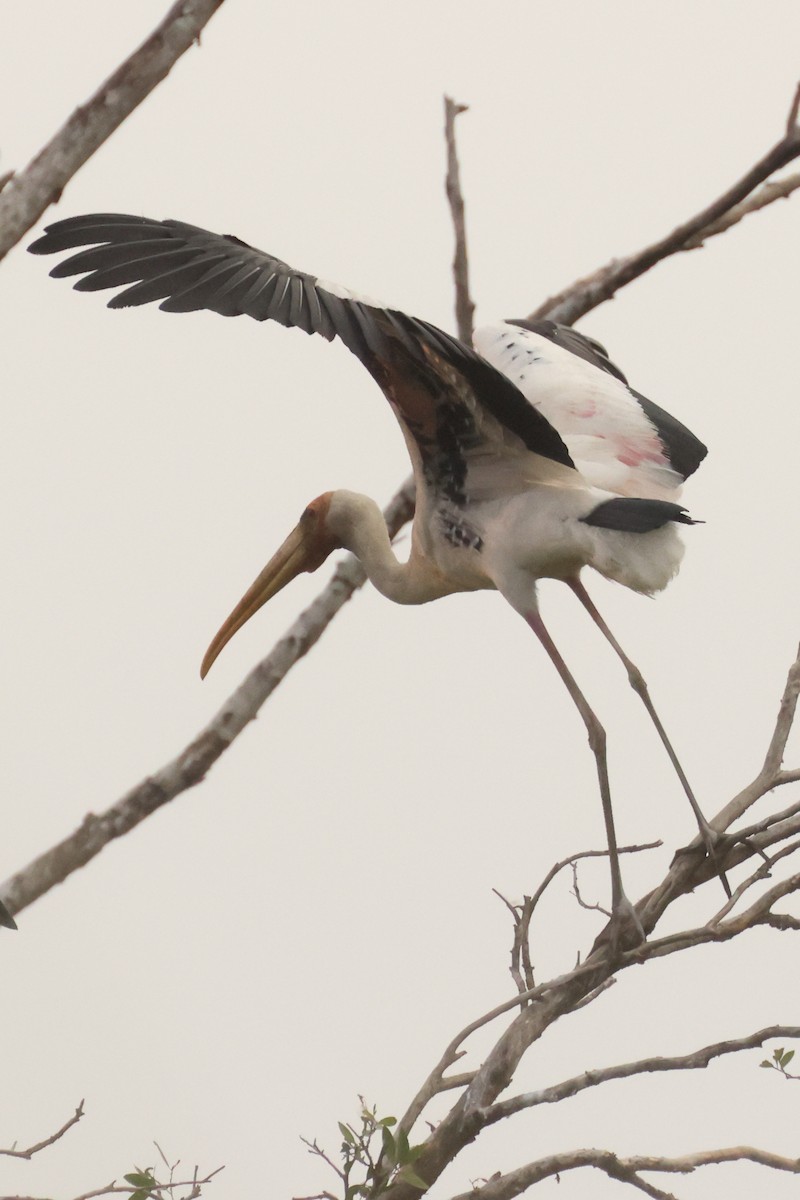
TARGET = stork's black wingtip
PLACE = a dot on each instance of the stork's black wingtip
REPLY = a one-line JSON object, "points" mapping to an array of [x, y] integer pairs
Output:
{"points": [[39, 246], [6, 919]]}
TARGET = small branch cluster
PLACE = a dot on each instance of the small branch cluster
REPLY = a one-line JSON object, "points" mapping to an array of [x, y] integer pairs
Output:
{"points": [[781, 1057], [372, 1156], [139, 1184], [539, 1006]]}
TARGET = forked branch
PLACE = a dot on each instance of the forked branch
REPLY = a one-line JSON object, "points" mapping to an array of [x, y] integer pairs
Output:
{"points": [[578, 299]]}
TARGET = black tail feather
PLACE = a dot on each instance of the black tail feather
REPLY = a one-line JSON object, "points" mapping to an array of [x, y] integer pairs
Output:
{"points": [[631, 514]]}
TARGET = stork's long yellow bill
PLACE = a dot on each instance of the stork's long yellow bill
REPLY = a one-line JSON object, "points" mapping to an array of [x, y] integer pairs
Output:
{"points": [[305, 549]]}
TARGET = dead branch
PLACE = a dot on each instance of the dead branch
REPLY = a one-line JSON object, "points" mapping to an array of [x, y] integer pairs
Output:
{"points": [[522, 914], [578, 299], [770, 776], [28, 193], [465, 308], [48, 1141], [696, 1060], [555, 999], [768, 193], [193, 763], [625, 1170]]}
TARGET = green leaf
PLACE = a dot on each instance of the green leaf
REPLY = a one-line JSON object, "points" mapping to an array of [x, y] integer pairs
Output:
{"points": [[409, 1175], [389, 1147], [347, 1133], [767, 1063], [402, 1147], [140, 1179], [386, 1121], [787, 1058]]}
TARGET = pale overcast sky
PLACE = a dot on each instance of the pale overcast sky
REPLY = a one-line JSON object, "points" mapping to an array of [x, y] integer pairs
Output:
{"points": [[316, 920]]}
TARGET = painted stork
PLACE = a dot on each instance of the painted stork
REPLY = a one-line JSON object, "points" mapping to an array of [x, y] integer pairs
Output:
{"points": [[532, 456]]}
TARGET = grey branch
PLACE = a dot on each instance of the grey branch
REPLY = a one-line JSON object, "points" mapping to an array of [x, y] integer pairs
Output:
{"points": [[522, 914], [626, 1170], [465, 308], [770, 776], [555, 999], [192, 764], [768, 193], [48, 1141], [697, 1060], [29, 193], [578, 299]]}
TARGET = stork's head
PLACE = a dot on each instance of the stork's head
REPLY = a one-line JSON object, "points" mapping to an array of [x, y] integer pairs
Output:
{"points": [[305, 549]]}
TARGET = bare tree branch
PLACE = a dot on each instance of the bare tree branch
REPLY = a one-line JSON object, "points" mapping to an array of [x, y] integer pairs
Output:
{"points": [[522, 914], [192, 764], [28, 194], [697, 1060], [465, 309], [48, 1141], [770, 774], [575, 301], [768, 193], [555, 999], [626, 1170], [683, 871]]}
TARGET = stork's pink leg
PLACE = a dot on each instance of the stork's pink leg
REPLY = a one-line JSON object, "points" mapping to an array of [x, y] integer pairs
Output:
{"points": [[628, 930], [639, 685]]}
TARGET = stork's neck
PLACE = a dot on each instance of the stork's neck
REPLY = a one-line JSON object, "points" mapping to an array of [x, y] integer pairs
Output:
{"points": [[358, 523]]}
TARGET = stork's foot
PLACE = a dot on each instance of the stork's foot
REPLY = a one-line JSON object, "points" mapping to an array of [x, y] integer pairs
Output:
{"points": [[623, 932], [713, 843]]}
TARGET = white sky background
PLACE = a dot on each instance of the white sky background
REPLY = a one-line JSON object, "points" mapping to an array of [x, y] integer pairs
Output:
{"points": [[316, 919]]}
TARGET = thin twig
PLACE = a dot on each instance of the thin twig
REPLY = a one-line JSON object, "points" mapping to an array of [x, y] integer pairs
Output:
{"points": [[523, 984], [583, 903], [791, 120], [768, 193], [48, 1141], [773, 760], [530, 902], [762, 872], [465, 309]]}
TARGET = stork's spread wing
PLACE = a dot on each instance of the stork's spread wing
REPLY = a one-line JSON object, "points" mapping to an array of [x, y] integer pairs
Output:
{"points": [[455, 407], [618, 438]]}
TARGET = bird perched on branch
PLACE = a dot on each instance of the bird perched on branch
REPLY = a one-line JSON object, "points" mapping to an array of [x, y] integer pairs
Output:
{"points": [[532, 457]]}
